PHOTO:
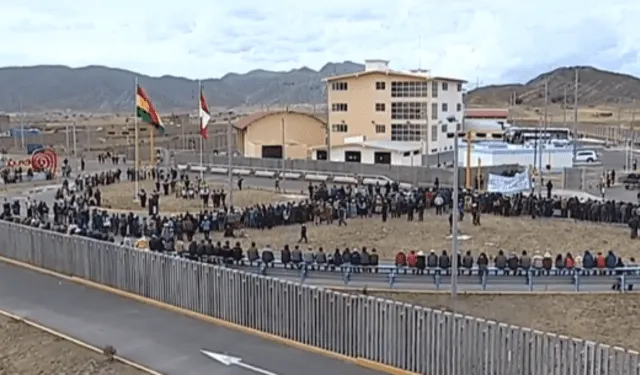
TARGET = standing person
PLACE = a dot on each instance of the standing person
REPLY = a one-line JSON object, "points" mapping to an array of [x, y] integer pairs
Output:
{"points": [[303, 234]]}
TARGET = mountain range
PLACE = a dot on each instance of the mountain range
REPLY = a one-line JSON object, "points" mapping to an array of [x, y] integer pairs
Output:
{"points": [[103, 89]]}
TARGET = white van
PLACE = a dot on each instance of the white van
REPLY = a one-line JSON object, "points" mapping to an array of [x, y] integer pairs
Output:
{"points": [[586, 156]]}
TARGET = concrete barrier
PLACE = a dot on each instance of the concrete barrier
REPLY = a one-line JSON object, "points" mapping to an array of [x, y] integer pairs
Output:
{"points": [[374, 181], [183, 167], [267, 174], [344, 180], [292, 175], [218, 170], [198, 168], [241, 172], [316, 177]]}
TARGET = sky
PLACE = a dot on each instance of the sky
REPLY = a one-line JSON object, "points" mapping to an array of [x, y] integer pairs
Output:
{"points": [[485, 41]]}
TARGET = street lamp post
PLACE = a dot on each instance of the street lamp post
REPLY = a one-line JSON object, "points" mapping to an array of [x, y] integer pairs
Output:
{"points": [[229, 159], [455, 214]]}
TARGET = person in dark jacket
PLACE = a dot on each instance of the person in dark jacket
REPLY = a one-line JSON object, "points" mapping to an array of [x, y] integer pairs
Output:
{"points": [[285, 256], [467, 262], [483, 264], [336, 259], [421, 263], [588, 263], [513, 263], [432, 259], [267, 256], [321, 258], [610, 260], [374, 259], [444, 262], [500, 260]]}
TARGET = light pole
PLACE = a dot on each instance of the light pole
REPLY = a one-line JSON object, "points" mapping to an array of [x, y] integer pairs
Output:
{"points": [[229, 159], [455, 214]]}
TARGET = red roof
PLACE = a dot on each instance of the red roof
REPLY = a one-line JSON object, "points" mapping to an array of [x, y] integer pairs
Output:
{"points": [[480, 113], [246, 121]]}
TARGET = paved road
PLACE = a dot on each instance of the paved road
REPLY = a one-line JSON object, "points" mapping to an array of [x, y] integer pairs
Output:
{"points": [[428, 283], [165, 341]]}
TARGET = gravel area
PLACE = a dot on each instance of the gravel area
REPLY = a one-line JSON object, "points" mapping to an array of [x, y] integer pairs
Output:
{"points": [[26, 350]]}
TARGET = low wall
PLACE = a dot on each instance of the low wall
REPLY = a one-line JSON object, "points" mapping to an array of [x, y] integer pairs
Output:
{"points": [[412, 338], [414, 175]]}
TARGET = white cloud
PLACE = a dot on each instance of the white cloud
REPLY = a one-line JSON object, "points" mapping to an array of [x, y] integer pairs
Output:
{"points": [[494, 40]]}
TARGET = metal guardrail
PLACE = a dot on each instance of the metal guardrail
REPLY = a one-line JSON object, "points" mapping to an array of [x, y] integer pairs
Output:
{"points": [[437, 277], [413, 338]]}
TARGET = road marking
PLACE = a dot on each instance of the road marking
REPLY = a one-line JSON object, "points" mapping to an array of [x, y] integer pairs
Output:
{"points": [[228, 360]]}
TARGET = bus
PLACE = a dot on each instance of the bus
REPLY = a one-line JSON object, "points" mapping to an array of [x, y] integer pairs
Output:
{"points": [[520, 135]]}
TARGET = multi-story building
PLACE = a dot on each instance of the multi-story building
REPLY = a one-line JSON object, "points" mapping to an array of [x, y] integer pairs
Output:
{"points": [[383, 104]]}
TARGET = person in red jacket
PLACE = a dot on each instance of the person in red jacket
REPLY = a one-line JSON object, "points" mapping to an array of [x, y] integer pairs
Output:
{"points": [[412, 259], [401, 259]]}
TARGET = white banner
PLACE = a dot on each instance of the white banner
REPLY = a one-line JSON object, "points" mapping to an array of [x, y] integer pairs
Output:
{"points": [[509, 185]]}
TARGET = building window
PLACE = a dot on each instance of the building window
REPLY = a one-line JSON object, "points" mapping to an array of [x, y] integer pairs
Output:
{"points": [[445, 86], [434, 111], [443, 128], [381, 85], [409, 89], [381, 107], [380, 129], [339, 128], [409, 110], [339, 86], [459, 107], [434, 89], [445, 107], [434, 133], [459, 87], [339, 107], [458, 126], [406, 132]]}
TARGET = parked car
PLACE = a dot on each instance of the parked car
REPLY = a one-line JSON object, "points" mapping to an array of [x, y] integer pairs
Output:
{"points": [[586, 156], [632, 181]]}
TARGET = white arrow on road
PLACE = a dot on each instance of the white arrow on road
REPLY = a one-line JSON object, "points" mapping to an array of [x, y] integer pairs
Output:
{"points": [[228, 360]]}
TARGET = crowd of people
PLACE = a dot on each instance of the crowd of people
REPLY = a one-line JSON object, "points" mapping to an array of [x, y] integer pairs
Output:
{"points": [[77, 210]]}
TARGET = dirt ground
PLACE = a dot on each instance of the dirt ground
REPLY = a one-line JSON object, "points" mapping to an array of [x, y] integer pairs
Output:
{"points": [[120, 197], [495, 233], [606, 318], [25, 350]]}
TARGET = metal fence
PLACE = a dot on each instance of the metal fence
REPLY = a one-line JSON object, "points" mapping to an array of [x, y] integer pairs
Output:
{"points": [[409, 337], [582, 178]]}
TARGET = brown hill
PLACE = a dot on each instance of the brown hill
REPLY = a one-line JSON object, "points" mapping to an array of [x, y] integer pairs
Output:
{"points": [[596, 88]]}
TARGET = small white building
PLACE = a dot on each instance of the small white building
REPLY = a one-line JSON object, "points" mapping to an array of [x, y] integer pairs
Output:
{"points": [[375, 152], [500, 153]]}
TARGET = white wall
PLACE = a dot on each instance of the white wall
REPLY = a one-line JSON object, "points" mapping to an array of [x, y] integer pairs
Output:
{"points": [[557, 159], [367, 155], [413, 160], [486, 159], [452, 97]]}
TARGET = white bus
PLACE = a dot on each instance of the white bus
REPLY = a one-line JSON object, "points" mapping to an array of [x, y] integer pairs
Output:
{"points": [[521, 135]]}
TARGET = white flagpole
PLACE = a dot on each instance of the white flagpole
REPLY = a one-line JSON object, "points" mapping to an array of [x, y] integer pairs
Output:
{"points": [[137, 140], [201, 125]]}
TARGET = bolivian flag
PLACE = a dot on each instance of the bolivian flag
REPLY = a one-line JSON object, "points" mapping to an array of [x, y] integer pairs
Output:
{"points": [[146, 111]]}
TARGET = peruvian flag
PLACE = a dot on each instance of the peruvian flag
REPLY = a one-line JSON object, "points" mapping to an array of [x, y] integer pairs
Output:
{"points": [[205, 115]]}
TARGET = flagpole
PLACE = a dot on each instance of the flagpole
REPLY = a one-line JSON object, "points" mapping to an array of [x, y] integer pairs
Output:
{"points": [[201, 125], [137, 140], [152, 146]]}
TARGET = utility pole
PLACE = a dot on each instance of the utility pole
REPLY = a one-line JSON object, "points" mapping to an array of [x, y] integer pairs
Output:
{"points": [[564, 108], [454, 218], [541, 141], [575, 114], [229, 160]]}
